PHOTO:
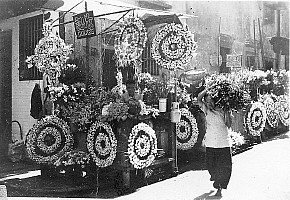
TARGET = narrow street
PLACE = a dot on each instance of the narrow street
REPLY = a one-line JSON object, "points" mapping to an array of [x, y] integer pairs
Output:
{"points": [[259, 173]]}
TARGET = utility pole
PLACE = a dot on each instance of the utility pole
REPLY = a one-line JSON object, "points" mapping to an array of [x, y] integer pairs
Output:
{"points": [[277, 28], [261, 44]]}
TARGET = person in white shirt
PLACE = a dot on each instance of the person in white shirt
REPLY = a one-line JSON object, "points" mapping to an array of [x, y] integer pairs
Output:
{"points": [[218, 150]]}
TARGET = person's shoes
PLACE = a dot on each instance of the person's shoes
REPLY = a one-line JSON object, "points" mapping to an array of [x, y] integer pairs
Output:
{"points": [[218, 193]]}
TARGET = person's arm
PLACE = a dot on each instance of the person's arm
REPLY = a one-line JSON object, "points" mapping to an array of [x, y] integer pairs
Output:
{"points": [[228, 119], [200, 96]]}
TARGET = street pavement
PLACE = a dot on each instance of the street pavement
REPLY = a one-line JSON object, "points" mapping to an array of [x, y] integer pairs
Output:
{"points": [[261, 173]]}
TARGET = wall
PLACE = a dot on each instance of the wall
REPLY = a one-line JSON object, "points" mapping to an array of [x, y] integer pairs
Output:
{"points": [[21, 90]]}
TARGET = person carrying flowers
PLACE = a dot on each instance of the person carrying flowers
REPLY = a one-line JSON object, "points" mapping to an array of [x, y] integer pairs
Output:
{"points": [[217, 140]]}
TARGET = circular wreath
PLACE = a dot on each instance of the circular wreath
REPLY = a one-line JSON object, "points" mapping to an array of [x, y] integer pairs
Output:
{"points": [[283, 110], [130, 41], [142, 146], [48, 140], [173, 46], [256, 118], [186, 130], [271, 112], [102, 144]]}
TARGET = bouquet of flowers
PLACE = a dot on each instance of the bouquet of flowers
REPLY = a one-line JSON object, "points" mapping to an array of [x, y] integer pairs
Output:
{"points": [[64, 94], [227, 94], [73, 157], [236, 139], [115, 111]]}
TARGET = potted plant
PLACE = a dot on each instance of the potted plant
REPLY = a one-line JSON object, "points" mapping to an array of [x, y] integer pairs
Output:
{"points": [[162, 90]]}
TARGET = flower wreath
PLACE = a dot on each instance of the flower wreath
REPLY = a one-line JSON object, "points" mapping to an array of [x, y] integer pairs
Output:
{"points": [[102, 144], [173, 46], [256, 119], [48, 140], [186, 130], [50, 54], [283, 109], [142, 146], [130, 41], [271, 111]]}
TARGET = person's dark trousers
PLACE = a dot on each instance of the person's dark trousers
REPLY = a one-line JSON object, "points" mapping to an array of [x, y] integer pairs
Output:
{"points": [[219, 166]]}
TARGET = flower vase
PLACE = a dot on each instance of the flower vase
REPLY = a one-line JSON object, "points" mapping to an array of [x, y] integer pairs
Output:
{"points": [[162, 104], [175, 114]]}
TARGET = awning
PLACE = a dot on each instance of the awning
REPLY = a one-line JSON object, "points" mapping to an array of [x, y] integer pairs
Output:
{"points": [[102, 8]]}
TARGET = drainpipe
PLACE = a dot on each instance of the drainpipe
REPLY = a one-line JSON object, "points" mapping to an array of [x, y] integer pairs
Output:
{"points": [[277, 29]]}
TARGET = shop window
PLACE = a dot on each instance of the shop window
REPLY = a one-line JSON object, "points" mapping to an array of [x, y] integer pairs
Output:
{"points": [[30, 32], [148, 63]]}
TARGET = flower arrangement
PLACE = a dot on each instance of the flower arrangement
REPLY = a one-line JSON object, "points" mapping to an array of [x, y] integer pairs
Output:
{"points": [[115, 111], [227, 93], [47, 140], [130, 41], [271, 111], [73, 157], [50, 54], [142, 146], [255, 118], [102, 144], [148, 110], [64, 94], [173, 46], [236, 139], [186, 130], [144, 80], [283, 109]]}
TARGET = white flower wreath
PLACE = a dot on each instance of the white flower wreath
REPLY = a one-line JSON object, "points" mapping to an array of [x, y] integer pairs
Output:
{"points": [[186, 130], [142, 146], [130, 41], [256, 119], [102, 144], [50, 54], [271, 111], [48, 140], [283, 109], [173, 46]]}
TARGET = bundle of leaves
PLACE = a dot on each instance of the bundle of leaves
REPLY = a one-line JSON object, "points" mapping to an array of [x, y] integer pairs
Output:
{"points": [[228, 95]]}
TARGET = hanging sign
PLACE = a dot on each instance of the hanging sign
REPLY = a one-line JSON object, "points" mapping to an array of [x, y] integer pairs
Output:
{"points": [[234, 60], [84, 25]]}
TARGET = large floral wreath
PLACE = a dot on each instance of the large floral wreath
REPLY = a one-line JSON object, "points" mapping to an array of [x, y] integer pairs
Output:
{"points": [[102, 144], [48, 140], [50, 54], [256, 119], [271, 111], [142, 146], [130, 41], [283, 109], [186, 130], [173, 46]]}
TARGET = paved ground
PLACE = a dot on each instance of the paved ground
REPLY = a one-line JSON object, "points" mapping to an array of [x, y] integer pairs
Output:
{"points": [[259, 173]]}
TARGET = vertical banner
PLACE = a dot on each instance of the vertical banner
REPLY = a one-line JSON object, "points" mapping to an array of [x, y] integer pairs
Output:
{"points": [[84, 25]]}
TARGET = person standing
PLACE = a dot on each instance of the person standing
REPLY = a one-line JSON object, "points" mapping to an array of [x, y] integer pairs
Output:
{"points": [[217, 142]]}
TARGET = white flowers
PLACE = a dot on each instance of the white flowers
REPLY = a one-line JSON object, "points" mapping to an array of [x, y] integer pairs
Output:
{"points": [[186, 130], [142, 146], [130, 41], [256, 119], [173, 46], [102, 144], [47, 140]]}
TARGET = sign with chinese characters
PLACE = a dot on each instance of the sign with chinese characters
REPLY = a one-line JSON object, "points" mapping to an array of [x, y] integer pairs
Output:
{"points": [[234, 60], [84, 25]]}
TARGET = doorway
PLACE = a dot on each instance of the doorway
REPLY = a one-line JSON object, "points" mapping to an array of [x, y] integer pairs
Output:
{"points": [[5, 91]]}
